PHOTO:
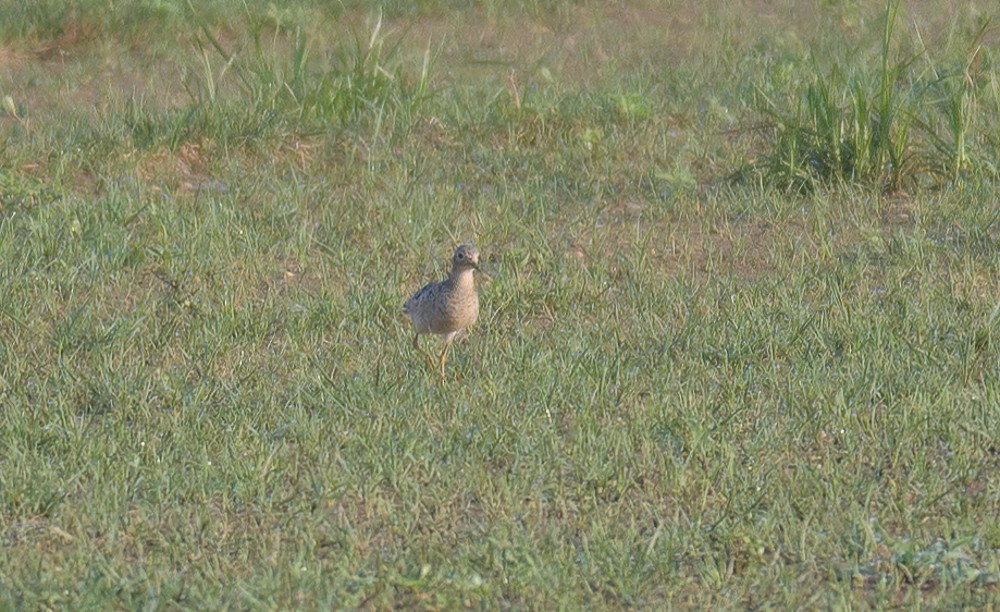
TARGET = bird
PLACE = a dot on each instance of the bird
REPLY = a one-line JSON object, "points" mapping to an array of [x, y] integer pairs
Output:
{"points": [[447, 307]]}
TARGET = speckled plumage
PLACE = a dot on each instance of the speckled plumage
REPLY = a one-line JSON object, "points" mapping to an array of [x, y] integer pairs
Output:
{"points": [[447, 307]]}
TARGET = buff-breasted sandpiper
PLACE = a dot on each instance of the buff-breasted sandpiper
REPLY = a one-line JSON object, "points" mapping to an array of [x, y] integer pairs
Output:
{"points": [[447, 307]]}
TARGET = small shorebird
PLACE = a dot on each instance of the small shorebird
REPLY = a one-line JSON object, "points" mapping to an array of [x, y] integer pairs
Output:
{"points": [[447, 307]]}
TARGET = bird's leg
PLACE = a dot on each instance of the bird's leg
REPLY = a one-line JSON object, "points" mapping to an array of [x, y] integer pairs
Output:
{"points": [[444, 351], [427, 356]]}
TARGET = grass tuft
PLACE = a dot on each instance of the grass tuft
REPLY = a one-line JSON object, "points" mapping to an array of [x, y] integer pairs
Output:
{"points": [[891, 129]]}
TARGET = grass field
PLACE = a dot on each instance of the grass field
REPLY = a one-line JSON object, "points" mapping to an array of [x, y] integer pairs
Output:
{"points": [[740, 349]]}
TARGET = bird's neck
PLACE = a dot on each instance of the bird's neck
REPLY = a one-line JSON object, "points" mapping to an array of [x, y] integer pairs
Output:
{"points": [[462, 279]]}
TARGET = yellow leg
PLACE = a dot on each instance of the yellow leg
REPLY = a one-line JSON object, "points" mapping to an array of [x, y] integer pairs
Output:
{"points": [[444, 351], [427, 356]]}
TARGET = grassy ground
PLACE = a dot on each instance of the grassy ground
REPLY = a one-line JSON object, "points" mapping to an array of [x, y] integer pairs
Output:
{"points": [[740, 349]]}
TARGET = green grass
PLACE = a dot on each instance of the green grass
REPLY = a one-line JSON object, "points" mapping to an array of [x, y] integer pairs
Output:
{"points": [[684, 390], [891, 123]]}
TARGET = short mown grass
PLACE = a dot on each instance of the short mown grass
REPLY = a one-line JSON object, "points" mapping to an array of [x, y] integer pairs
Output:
{"points": [[716, 366]]}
